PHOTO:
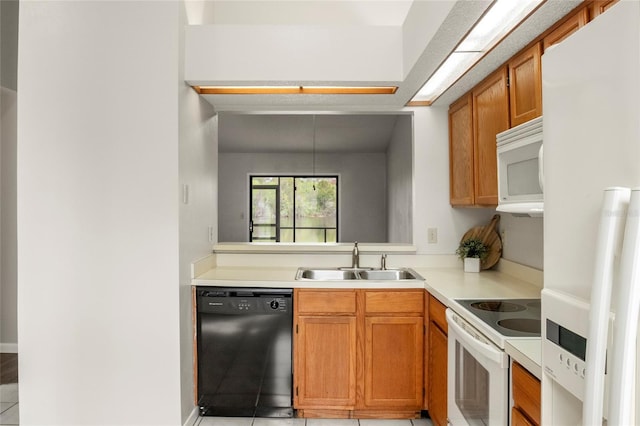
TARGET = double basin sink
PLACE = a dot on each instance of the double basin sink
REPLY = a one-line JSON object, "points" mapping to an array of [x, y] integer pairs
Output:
{"points": [[347, 274]]}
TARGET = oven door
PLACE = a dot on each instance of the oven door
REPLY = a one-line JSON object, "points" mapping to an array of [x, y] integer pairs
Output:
{"points": [[478, 377]]}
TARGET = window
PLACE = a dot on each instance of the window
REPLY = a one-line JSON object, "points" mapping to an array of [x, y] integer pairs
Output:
{"points": [[294, 209]]}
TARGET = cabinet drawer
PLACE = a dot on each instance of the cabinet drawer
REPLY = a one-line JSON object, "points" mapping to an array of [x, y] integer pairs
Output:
{"points": [[436, 313], [325, 301], [519, 419], [407, 302], [526, 392]]}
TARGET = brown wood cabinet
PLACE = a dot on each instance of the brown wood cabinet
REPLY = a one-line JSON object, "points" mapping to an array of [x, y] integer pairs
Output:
{"points": [[437, 362], [325, 323], [393, 362], [519, 419], [525, 85], [358, 353], [525, 388], [474, 121], [326, 381], [568, 27], [490, 117], [461, 191], [598, 7]]}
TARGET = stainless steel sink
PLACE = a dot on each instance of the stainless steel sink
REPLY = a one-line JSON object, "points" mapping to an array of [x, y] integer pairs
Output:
{"points": [[325, 274], [340, 274], [388, 274]]}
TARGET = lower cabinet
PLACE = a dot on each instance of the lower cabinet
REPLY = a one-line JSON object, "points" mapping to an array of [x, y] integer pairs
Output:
{"points": [[358, 353], [525, 388], [321, 380], [438, 348], [393, 362]]}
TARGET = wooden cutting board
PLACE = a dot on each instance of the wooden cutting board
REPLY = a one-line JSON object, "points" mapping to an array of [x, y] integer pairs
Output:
{"points": [[488, 234]]}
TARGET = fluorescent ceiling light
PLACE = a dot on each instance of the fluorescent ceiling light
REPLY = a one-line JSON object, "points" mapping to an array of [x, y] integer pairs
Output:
{"points": [[295, 90], [500, 19]]}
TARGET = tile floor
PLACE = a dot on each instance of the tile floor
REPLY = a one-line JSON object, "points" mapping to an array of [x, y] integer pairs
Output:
{"points": [[231, 421], [9, 416], [9, 404]]}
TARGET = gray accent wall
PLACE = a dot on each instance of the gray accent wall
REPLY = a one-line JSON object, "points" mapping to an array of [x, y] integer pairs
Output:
{"points": [[400, 182], [362, 190]]}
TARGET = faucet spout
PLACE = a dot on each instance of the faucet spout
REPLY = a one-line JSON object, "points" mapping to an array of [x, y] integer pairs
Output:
{"points": [[355, 256]]}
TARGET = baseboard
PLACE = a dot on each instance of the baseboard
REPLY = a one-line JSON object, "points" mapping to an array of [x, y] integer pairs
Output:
{"points": [[9, 348], [193, 418]]}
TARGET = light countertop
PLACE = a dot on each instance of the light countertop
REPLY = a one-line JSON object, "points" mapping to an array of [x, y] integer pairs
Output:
{"points": [[446, 284], [527, 353]]}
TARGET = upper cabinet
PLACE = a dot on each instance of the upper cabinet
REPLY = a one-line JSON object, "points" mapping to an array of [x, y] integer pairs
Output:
{"points": [[568, 27], [490, 117], [474, 121], [498, 103], [525, 85], [461, 191], [600, 6]]}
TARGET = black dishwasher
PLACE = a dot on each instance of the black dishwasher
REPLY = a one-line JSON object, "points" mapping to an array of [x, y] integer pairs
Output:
{"points": [[244, 351]]}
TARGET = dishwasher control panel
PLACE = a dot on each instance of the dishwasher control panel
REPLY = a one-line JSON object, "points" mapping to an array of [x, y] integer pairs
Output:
{"points": [[229, 302]]}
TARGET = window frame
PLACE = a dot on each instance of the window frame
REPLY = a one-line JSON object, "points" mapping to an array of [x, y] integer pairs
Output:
{"points": [[278, 220]]}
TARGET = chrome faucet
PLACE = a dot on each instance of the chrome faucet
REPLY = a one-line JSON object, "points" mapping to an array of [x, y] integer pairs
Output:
{"points": [[355, 257], [383, 261]]}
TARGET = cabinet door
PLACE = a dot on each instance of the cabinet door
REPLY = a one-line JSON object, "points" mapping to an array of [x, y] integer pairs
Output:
{"points": [[325, 362], [519, 419], [461, 152], [437, 375], [598, 7], [568, 27], [525, 85], [490, 117], [393, 362]]}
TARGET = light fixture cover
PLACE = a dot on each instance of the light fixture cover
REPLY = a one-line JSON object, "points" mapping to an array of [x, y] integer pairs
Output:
{"points": [[495, 24]]}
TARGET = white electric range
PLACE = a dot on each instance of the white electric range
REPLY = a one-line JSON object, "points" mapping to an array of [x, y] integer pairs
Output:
{"points": [[478, 375]]}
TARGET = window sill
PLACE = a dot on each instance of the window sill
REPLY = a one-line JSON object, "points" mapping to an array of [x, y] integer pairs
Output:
{"points": [[313, 248]]}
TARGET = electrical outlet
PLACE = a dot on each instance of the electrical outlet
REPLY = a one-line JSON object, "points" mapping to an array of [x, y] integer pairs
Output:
{"points": [[210, 232], [432, 235], [503, 237]]}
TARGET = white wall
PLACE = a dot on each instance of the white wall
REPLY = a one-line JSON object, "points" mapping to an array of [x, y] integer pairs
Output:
{"points": [[362, 192], [431, 208], [293, 53], [400, 182], [198, 171], [98, 311], [523, 239]]}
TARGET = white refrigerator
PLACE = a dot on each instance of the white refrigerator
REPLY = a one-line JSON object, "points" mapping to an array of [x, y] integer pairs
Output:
{"points": [[591, 106]]}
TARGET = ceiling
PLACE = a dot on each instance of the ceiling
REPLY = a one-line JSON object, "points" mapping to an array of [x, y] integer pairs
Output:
{"points": [[293, 133], [447, 30], [353, 123]]}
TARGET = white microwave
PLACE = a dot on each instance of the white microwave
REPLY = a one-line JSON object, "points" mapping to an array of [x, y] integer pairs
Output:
{"points": [[520, 172]]}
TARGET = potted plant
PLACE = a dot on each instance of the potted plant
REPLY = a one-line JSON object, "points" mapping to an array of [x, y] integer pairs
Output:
{"points": [[472, 251]]}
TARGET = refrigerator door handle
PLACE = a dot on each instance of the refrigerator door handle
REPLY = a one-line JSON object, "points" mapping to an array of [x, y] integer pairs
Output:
{"points": [[541, 168], [608, 244], [625, 325]]}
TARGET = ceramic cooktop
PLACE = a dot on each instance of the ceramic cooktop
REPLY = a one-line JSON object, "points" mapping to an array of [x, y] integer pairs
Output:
{"points": [[510, 318]]}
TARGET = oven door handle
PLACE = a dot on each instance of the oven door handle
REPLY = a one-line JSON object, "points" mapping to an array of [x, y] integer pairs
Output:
{"points": [[487, 350]]}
